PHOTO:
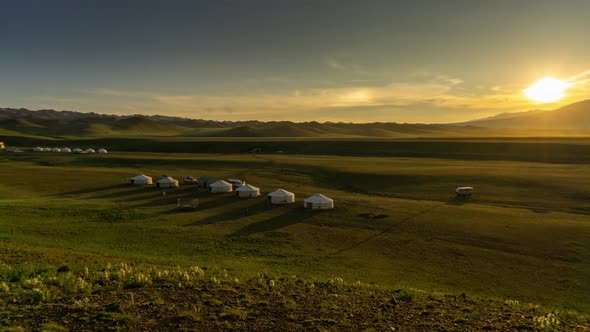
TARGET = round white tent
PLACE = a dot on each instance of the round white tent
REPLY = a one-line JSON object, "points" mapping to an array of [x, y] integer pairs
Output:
{"points": [[281, 197], [47, 150], [90, 150], [167, 182], [66, 150], [38, 149], [318, 202], [220, 187], [102, 151], [248, 191], [464, 191], [140, 180], [56, 150], [77, 150]]}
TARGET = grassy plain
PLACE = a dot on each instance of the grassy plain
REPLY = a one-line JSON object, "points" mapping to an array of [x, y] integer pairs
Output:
{"points": [[523, 236]]}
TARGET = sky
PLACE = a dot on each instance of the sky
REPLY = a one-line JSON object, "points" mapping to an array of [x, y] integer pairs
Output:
{"points": [[426, 61]]}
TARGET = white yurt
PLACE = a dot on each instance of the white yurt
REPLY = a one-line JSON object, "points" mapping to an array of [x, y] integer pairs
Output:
{"points": [[103, 151], [141, 180], [248, 191], [38, 149], [167, 182], [77, 150], [89, 151], [56, 150], [47, 150], [281, 197], [66, 150], [220, 187], [464, 191], [318, 202]]}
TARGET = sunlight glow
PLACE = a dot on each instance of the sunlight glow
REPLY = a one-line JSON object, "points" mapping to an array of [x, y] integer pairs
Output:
{"points": [[547, 90]]}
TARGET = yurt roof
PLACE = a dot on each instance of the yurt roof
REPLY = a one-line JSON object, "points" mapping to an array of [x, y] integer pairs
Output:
{"points": [[281, 193], [318, 198], [167, 179], [141, 176], [248, 187], [220, 183]]}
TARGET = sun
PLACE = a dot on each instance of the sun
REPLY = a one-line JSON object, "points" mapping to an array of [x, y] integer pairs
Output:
{"points": [[547, 90]]}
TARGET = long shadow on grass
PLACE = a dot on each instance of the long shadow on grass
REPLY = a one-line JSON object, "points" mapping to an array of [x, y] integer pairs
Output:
{"points": [[92, 190], [212, 201], [254, 208], [290, 216], [169, 199], [457, 201], [142, 190]]}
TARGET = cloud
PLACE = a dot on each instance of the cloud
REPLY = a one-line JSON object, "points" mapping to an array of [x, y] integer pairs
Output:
{"points": [[349, 67], [427, 97]]}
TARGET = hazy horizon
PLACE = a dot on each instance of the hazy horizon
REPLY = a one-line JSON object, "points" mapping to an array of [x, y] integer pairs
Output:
{"points": [[339, 61]]}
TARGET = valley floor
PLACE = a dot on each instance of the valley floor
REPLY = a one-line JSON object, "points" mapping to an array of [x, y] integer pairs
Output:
{"points": [[397, 226]]}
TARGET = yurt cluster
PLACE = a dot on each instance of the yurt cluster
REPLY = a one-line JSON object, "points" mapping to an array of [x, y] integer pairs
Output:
{"points": [[242, 190], [68, 150]]}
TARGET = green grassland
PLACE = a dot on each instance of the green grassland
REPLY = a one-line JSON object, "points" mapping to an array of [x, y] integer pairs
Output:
{"points": [[523, 236]]}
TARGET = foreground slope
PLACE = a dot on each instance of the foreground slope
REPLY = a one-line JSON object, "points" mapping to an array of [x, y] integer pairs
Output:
{"points": [[120, 296]]}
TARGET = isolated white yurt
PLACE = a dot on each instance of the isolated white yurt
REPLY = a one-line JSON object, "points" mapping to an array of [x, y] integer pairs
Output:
{"points": [[102, 151], [56, 150], [141, 180], [77, 150], [167, 182], [318, 202], [38, 149], [47, 150], [281, 197], [220, 187], [464, 191], [89, 151], [66, 150], [248, 191]]}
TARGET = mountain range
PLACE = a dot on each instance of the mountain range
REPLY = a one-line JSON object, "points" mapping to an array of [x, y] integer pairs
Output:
{"points": [[573, 118]]}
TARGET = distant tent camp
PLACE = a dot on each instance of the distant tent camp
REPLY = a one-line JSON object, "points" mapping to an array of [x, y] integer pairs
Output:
{"points": [[167, 182], [318, 202], [77, 150], [56, 150], [66, 150], [248, 191], [281, 197], [220, 187], [140, 180], [47, 150], [38, 149], [89, 151], [102, 151]]}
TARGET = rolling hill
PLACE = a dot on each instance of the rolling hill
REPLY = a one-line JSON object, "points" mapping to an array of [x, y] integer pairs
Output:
{"points": [[573, 117], [23, 122]]}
